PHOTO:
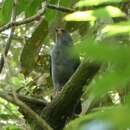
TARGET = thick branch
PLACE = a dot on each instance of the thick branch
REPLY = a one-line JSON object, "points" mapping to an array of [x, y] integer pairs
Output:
{"points": [[62, 106]]}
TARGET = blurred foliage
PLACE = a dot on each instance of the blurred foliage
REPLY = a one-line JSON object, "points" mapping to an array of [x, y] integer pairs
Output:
{"points": [[112, 51], [92, 15], [96, 2], [100, 30]]}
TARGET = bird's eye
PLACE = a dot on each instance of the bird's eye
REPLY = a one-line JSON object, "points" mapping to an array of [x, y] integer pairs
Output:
{"points": [[56, 29]]}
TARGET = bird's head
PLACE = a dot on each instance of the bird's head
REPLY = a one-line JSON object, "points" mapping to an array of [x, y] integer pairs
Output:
{"points": [[63, 36]]}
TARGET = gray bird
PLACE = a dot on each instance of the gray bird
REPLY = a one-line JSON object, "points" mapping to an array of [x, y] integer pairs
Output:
{"points": [[63, 63]]}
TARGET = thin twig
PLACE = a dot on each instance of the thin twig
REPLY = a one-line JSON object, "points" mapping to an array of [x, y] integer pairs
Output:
{"points": [[25, 21], [62, 9], [8, 44], [1, 62], [35, 17]]}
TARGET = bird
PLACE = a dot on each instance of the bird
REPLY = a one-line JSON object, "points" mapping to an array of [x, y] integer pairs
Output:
{"points": [[63, 62]]}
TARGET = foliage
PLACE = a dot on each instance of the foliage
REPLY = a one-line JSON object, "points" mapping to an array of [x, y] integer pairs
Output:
{"points": [[100, 29], [115, 76]]}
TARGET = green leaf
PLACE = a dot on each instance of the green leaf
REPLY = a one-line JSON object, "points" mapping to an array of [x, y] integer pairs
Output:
{"points": [[65, 4], [83, 3], [103, 52], [17, 81], [116, 29], [50, 14], [31, 49], [92, 15], [7, 11], [115, 118], [33, 7], [1, 18], [11, 127], [127, 98], [22, 5], [109, 81], [7, 116]]}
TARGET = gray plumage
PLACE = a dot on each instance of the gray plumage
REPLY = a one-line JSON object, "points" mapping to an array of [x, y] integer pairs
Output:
{"points": [[63, 63]]}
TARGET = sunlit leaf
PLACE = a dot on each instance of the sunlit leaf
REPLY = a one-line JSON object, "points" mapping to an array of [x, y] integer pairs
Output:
{"points": [[91, 15], [17, 81], [115, 29], [11, 127]]}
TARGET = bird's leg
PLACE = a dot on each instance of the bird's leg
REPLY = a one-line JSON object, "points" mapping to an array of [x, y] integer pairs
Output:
{"points": [[56, 91]]}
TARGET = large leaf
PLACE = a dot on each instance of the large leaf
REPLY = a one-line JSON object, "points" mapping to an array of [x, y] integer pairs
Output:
{"points": [[92, 15], [22, 5], [31, 49], [33, 7], [6, 11]]}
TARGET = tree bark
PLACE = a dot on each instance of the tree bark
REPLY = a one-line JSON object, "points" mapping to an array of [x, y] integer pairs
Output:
{"points": [[57, 112]]}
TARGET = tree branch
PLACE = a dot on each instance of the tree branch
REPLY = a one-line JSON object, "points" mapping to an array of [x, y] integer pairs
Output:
{"points": [[14, 99], [62, 106], [25, 21], [62, 9], [28, 100], [36, 16]]}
